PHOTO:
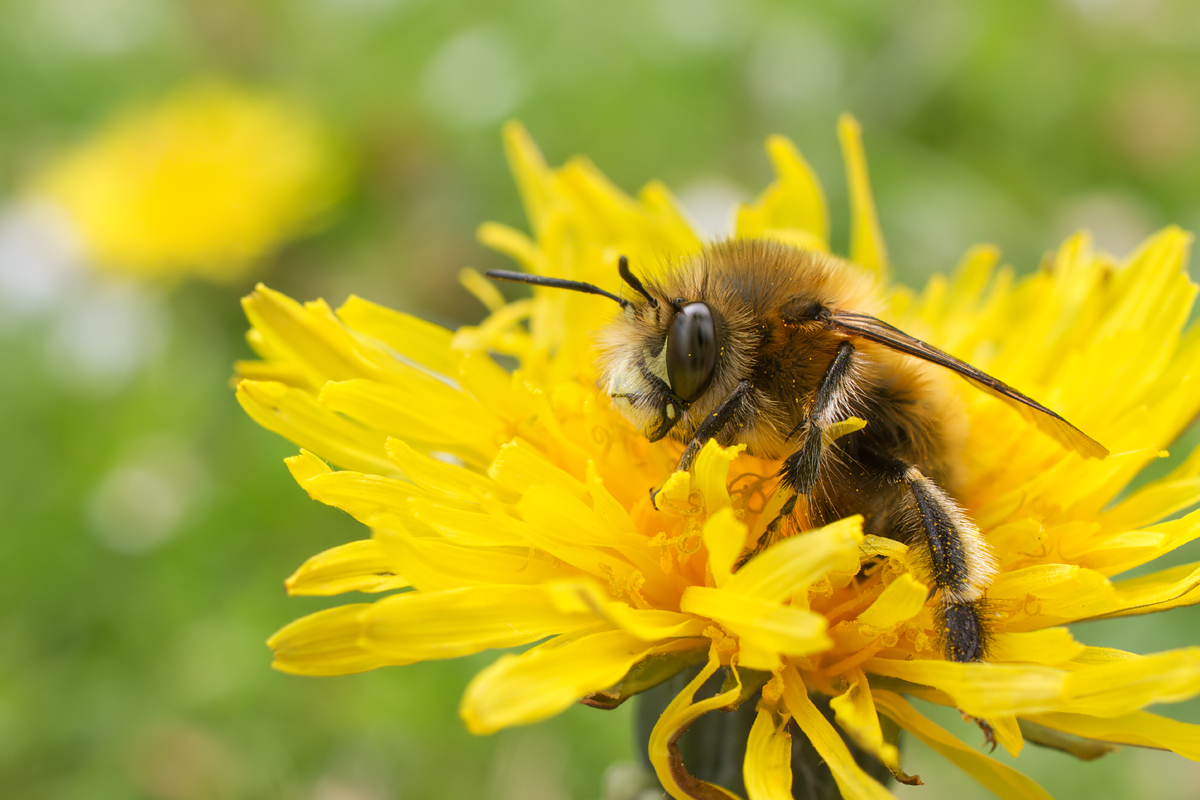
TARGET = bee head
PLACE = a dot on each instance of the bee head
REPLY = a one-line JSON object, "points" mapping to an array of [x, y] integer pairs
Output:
{"points": [[658, 358]]}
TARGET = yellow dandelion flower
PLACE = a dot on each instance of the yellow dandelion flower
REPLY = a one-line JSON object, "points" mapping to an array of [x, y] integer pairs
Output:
{"points": [[511, 509], [205, 182]]}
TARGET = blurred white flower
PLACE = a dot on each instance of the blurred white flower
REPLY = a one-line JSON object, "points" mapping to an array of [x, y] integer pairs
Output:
{"points": [[105, 333], [473, 79], [39, 260], [144, 500]]}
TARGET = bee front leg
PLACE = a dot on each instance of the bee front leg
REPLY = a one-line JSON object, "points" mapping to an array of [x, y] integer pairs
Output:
{"points": [[733, 406], [802, 469], [714, 423]]}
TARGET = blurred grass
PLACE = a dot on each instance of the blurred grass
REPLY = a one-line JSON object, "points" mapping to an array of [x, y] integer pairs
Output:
{"points": [[138, 670]]}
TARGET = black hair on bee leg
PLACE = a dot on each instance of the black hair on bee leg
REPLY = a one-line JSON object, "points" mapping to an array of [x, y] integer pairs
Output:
{"points": [[956, 556], [963, 629], [802, 468], [714, 423]]}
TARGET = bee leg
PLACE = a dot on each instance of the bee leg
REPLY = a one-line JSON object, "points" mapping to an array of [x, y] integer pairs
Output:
{"points": [[712, 425], [770, 535], [958, 560], [802, 468]]}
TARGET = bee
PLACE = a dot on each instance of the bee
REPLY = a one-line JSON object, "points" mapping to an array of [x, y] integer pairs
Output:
{"points": [[761, 343]]}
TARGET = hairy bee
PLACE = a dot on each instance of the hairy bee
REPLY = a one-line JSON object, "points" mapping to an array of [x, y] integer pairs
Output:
{"points": [[757, 342]]}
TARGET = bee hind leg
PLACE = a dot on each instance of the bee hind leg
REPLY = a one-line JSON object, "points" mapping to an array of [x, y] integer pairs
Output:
{"points": [[959, 562]]}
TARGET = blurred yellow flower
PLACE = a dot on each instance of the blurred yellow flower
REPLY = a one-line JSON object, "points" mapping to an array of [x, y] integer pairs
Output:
{"points": [[512, 509], [205, 182]]}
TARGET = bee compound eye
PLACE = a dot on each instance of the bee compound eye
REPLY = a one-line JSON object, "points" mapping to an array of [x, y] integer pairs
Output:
{"points": [[691, 351]]}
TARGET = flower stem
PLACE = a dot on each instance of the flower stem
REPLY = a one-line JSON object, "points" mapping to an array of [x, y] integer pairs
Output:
{"points": [[714, 747]]}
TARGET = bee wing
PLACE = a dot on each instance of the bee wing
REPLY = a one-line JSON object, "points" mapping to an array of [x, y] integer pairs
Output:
{"points": [[875, 330]]}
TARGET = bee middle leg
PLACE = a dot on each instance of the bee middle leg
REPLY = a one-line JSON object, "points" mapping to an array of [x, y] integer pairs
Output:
{"points": [[802, 469]]}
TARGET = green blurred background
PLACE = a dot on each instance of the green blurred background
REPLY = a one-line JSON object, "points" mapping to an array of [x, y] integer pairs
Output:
{"points": [[148, 524]]}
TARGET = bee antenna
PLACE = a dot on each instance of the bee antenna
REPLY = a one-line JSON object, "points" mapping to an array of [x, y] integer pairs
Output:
{"points": [[557, 283], [628, 276]]}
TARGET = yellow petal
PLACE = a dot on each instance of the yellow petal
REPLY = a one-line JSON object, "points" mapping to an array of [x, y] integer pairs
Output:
{"points": [[529, 170], [490, 384], [485, 291], [271, 371], [1052, 593], [418, 626], [854, 783], [664, 209], [1153, 503], [500, 332], [1051, 646], [431, 564], [982, 690], [362, 566], [539, 683], [725, 537], [879, 546], [469, 528], [1008, 733], [414, 338], [451, 481], [794, 202], [1140, 728], [1003, 780], [752, 657], [768, 766], [1122, 687], [514, 244], [801, 240], [316, 344], [676, 718], [649, 625], [1170, 588], [902, 600], [970, 279], [519, 467], [1118, 552], [1106, 688], [562, 515], [361, 495], [325, 643], [712, 472], [765, 624], [855, 713], [866, 239], [606, 207], [607, 507], [305, 466], [297, 416], [795, 563], [675, 492], [841, 428], [422, 408]]}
